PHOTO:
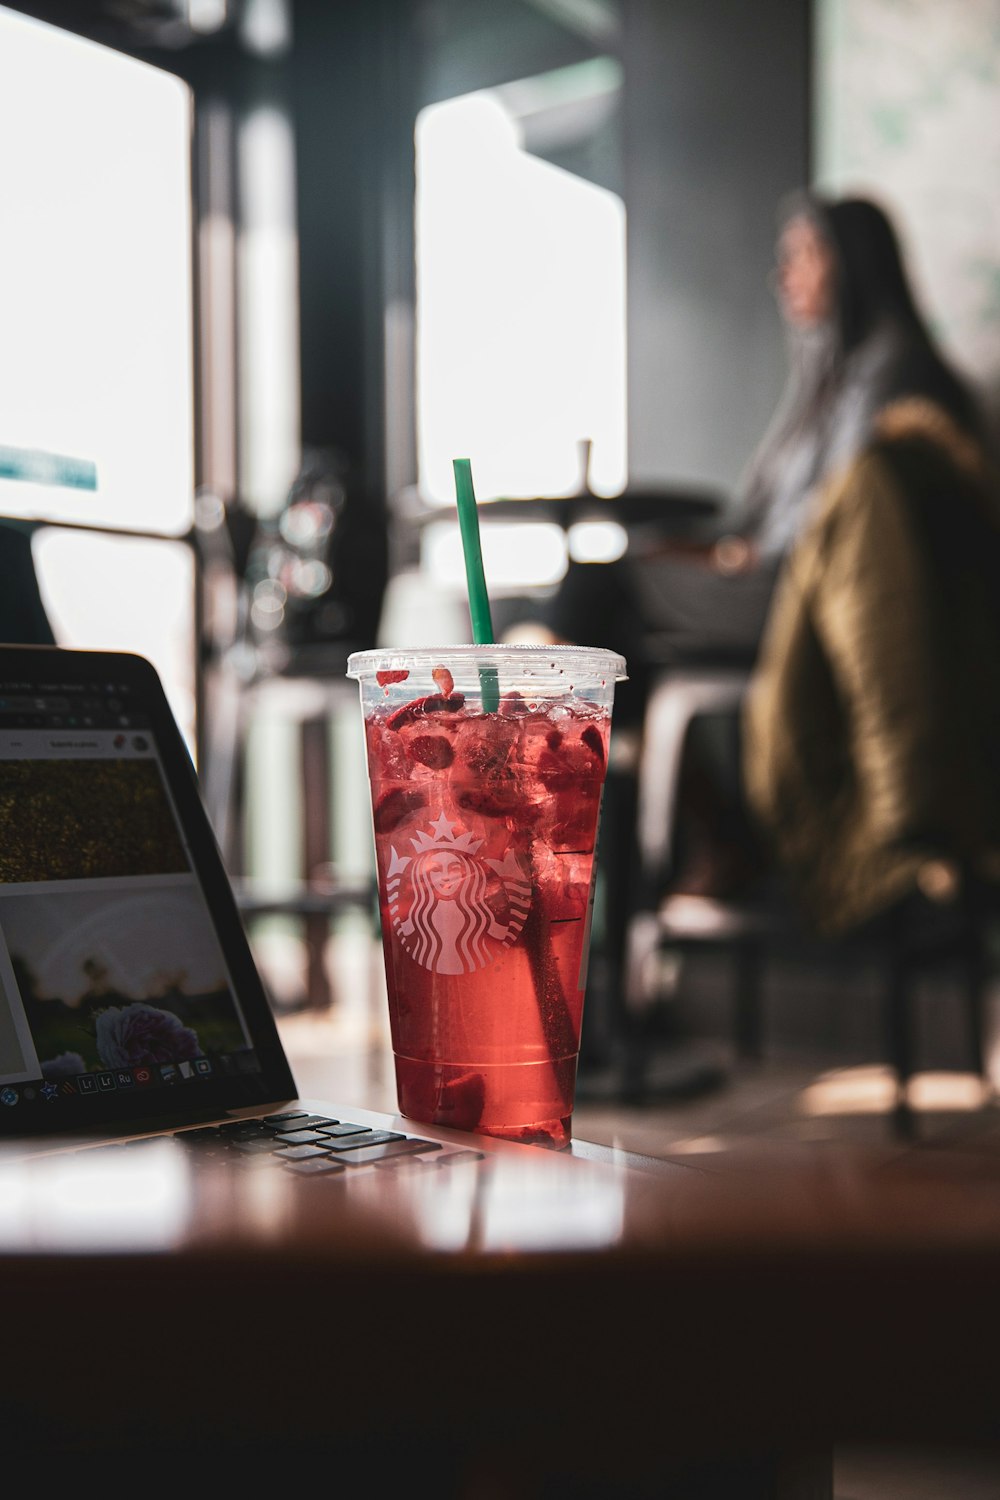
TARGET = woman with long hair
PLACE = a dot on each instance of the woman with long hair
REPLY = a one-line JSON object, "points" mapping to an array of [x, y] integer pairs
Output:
{"points": [[856, 341]]}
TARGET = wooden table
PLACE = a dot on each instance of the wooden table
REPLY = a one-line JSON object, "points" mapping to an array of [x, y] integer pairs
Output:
{"points": [[578, 1319]]}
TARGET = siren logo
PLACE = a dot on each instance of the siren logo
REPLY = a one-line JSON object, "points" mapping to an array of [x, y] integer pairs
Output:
{"points": [[438, 900]]}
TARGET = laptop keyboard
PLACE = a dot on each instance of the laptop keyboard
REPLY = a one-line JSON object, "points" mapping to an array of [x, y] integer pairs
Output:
{"points": [[317, 1145]]}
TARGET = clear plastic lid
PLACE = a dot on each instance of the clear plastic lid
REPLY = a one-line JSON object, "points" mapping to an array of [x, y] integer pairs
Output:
{"points": [[545, 669]]}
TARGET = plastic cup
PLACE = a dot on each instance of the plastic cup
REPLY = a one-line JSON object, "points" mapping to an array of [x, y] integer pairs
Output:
{"points": [[485, 824]]}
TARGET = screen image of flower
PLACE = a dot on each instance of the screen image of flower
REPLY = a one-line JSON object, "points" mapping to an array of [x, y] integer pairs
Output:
{"points": [[139, 1033], [120, 977]]}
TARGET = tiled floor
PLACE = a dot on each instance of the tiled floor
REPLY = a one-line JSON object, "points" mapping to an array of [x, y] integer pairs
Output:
{"points": [[343, 1054]]}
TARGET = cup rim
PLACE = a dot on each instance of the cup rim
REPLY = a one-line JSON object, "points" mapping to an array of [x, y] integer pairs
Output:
{"points": [[595, 660]]}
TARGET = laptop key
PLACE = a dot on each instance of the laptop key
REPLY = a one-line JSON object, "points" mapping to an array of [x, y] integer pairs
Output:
{"points": [[321, 1166], [342, 1127], [284, 1123], [405, 1163], [359, 1143], [300, 1138], [246, 1130], [298, 1153], [204, 1142], [390, 1151]]}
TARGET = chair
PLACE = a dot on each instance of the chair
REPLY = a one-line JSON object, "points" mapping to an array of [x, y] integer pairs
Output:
{"points": [[301, 693], [752, 929], [871, 748]]}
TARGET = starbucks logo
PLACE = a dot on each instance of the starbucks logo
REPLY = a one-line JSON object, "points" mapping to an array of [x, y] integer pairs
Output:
{"points": [[443, 900]]}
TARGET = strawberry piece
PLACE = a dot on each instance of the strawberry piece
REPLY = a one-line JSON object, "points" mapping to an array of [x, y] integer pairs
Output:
{"points": [[432, 750], [488, 756], [591, 737], [396, 805], [460, 1101], [474, 799], [444, 680], [535, 1135], [433, 704], [512, 705], [446, 1096], [385, 678], [498, 803], [558, 772]]}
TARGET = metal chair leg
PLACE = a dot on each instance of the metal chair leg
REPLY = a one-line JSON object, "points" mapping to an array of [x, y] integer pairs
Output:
{"points": [[898, 1023], [975, 977], [749, 964]]}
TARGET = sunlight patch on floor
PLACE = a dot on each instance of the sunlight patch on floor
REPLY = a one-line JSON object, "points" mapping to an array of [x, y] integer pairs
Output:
{"points": [[701, 1145], [872, 1090]]}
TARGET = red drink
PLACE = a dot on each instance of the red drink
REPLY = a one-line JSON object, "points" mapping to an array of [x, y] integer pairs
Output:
{"points": [[485, 834]]}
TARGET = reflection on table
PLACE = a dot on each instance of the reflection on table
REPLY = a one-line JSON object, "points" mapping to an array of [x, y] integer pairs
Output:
{"points": [[573, 1313]]}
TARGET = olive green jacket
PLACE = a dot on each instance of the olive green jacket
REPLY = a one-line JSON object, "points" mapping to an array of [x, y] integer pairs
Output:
{"points": [[871, 727]]}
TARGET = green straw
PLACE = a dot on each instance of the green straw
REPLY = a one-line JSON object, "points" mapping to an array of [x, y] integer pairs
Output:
{"points": [[479, 603], [468, 520]]}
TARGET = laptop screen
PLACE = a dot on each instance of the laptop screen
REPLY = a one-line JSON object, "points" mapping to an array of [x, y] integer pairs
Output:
{"points": [[126, 984]]}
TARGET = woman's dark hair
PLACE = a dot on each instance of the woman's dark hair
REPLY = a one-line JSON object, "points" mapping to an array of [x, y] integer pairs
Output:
{"points": [[873, 290], [872, 283], [873, 279]]}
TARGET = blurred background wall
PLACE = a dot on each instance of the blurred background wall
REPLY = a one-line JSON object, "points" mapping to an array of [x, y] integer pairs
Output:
{"points": [[730, 106], [718, 128], [907, 106]]}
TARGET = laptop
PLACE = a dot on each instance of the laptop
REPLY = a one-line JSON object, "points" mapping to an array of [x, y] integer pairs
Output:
{"points": [[130, 1003]]}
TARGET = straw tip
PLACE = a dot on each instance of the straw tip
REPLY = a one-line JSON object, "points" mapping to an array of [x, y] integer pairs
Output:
{"points": [[464, 488]]}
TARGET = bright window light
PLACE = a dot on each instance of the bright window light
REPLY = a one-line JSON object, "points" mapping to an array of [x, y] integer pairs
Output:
{"points": [[520, 312], [206, 16], [597, 541], [516, 555], [96, 362], [266, 26], [269, 361], [118, 593], [96, 411]]}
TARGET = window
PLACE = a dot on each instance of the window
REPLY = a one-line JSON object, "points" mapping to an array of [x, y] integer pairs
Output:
{"points": [[520, 269], [96, 405]]}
